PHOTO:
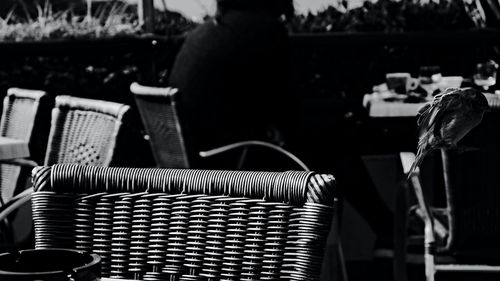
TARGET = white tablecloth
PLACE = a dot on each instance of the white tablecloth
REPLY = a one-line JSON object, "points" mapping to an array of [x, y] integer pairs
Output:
{"points": [[378, 107], [13, 148]]}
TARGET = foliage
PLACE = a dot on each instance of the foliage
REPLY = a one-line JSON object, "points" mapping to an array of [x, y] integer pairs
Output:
{"points": [[65, 24], [171, 23], [120, 19], [386, 16]]}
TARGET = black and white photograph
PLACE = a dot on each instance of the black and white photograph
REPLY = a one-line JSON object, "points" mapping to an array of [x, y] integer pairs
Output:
{"points": [[227, 140]]}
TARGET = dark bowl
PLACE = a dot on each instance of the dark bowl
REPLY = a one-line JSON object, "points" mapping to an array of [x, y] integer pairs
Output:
{"points": [[50, 264]]}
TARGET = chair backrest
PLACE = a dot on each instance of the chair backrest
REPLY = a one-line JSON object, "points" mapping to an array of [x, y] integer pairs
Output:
{"points": [[23, 112], [184, 224], [472, 182], [84, 131], [160, 115]]}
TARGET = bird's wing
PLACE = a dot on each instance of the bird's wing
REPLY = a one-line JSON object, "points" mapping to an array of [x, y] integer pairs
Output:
{"points": [[430, 121], [429, 117], [422, 112], [434, 112]]}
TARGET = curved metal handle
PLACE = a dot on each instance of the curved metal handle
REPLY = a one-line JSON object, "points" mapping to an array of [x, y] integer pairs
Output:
{"points": [[15, 203], [235, 145]]}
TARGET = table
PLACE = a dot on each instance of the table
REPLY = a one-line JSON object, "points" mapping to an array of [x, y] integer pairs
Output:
{"points": [[12, 151], [377, 105], [13, 148]]}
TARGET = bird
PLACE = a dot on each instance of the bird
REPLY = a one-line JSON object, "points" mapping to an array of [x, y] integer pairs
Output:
{"points": [[443, 122]]}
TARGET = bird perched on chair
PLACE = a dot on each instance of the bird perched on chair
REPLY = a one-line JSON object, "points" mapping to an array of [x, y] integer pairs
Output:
{"points": [[447, 119]]}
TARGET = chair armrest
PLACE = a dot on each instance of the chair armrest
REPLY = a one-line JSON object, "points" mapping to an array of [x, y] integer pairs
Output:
{"points": [[439, 228], [16, 202], [248, 143], [407, 159], [414, 180]]}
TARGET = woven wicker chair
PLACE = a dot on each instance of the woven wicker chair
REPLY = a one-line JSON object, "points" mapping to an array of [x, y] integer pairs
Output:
{"points": [[23, 116], [183, 224], [84, 131], [159, 113], [463, 235], [162, 118], [23, 113]]}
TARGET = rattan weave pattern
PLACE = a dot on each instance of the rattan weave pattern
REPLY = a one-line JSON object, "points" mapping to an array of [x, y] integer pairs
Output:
{"points": [[20, 111], [84, 131], [180, 224], [158, 110], [9, 177], [472, 196]]}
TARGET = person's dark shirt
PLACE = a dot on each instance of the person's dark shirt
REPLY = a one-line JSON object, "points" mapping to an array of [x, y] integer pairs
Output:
{"points": [[232, 79]]}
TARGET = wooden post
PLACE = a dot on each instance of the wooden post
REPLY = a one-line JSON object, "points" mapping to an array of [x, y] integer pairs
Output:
{"points": [[89, 10], [146, 15]]}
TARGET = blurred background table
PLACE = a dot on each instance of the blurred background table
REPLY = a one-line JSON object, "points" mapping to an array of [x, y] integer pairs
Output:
{"points": [[382, 105], [13, 148], [378, 107]]}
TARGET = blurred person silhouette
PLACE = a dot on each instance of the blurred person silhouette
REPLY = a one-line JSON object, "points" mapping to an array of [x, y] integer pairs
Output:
{"points": [[232, 73]]}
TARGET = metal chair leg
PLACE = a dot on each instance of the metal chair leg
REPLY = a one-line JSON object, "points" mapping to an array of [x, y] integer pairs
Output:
{"points": [[343, 267], [400, 232], [242, 158]]}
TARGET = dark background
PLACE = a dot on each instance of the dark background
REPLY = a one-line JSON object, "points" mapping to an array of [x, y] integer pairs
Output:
{"points": [[329, 73]]}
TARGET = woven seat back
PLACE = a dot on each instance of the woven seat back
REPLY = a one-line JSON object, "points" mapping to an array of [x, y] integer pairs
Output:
{"points": [[84, 131], [182, 224], [159, 113], [472, 189], [21, 110]]}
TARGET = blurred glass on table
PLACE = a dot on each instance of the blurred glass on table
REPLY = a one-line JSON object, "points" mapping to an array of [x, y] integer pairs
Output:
{"points": [[401, 82], [486, 74], [429, 77], [450, 82]]}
